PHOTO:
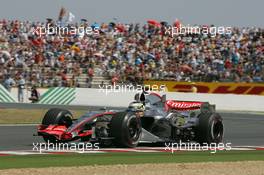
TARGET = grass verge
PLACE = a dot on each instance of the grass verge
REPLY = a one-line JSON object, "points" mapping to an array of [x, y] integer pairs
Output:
{"points": [[37, 161], [28, 116]]}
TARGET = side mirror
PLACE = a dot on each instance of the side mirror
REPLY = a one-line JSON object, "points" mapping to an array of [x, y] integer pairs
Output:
{"points": [[142, 97], [163, 98], [136, 97]]}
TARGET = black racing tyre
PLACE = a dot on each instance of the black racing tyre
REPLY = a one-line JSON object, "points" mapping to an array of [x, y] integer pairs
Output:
{"points": [[126, 129], [56, 116], [210, 128]]}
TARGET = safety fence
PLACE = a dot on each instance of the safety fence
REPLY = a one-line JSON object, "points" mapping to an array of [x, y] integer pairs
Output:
{"points": [[121, 98], [6, 96]]}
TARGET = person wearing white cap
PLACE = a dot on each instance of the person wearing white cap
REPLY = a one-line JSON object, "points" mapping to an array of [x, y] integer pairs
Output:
{"points": [[21, 88]]}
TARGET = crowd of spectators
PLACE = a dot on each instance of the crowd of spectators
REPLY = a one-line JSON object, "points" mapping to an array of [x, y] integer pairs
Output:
{"points": [[128, 53]]}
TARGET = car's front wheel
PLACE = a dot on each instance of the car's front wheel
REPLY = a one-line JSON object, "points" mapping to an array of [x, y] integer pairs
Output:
{"points": [[126, 129], [56, 116]]}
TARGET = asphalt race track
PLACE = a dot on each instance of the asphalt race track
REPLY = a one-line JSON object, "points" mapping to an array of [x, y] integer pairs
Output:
{"points": [[241, 129]]}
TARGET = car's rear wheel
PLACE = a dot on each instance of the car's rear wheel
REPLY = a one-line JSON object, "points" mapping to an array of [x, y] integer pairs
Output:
{"points": [[210, 128], [56, 116], [126, 129]]}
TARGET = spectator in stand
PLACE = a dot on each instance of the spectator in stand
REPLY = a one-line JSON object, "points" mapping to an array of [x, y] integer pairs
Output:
{"points": [[114, 80], [64, 79], [9, 83], [90, 74]]}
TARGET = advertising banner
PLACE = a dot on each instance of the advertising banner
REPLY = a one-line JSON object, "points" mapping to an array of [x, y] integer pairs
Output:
{"points": [[214, 88]]}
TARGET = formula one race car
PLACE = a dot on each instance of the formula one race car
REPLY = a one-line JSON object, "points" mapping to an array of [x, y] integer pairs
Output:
{"points": [[151, 118]]}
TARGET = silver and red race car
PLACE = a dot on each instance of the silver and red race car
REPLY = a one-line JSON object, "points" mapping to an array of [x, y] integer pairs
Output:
{"points": [[151, 118]]}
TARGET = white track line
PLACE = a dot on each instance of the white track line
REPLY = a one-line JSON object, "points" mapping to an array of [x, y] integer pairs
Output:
{"points": [[18, 125], [112, 150]]}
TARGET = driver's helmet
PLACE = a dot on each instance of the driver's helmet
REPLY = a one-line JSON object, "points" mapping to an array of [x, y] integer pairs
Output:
{"points": [[136, 107]]}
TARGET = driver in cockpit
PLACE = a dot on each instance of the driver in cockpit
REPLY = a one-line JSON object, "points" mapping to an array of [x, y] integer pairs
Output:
{"points": [[137, 107]]}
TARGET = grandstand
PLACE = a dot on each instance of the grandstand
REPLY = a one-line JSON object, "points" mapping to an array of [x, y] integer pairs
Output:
{"points": [[128, 54]]}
